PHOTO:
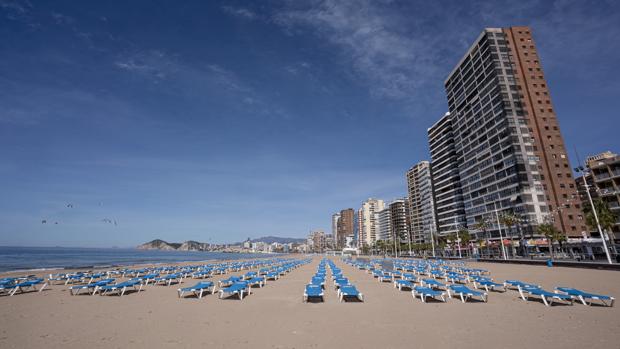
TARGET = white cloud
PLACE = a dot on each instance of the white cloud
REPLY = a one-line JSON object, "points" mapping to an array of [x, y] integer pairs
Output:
{"points": [[240, 12], [390, 61]]}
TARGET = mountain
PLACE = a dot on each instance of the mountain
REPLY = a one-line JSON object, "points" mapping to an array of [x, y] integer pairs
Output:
{"points": [[193, 246], [158, 244], [280, 240]]}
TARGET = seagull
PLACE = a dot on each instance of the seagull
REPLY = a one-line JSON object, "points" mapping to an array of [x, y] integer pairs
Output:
{"points": [[70, 205], [43, 221], [55, 222]]}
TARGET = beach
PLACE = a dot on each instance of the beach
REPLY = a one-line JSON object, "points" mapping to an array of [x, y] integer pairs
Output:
{"points": [[275, 316]]}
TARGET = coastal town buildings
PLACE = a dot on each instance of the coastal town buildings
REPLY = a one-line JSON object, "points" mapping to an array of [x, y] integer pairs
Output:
{"points": [[604, 180], [421, 204], [399, 220], [445, 178], [384, 225], [345, 227], [368, 220]]}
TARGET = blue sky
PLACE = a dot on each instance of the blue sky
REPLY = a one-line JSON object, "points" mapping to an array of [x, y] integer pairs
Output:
{"points": [[216, 121]]}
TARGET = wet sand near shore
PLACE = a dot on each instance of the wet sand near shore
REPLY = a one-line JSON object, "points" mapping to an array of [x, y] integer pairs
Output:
{"points": [[275, 316]]}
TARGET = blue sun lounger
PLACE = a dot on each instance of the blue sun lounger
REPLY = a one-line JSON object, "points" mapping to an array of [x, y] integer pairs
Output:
{"points": [[256, 281], [198, 289], [410, 277], [465, 293], [488, 284], [349, 291], [547, 297], [272, 275], [403, 283], [149, 278], [27, 285], [338, 283], [167, 280], [515, 284], [425, 292], [318, 280], [75, 290], [240, 288], [583, 296], [432, 283], [313, 291], [121, 287], [228, 282]]}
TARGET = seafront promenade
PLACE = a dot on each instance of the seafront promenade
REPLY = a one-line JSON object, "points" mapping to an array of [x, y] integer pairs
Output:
{"points": [[275, 316]]}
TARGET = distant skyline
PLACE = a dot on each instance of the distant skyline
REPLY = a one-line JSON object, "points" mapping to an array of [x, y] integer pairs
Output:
{"points": [[217, 121]]}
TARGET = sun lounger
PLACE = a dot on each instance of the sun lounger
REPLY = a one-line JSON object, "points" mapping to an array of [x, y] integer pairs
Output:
{"points": [[257, 280], [198, 289], [515, 284], [25, 285], [75, 290], [425, 292], [272, 276], [432, 283], [583, 296], [409, 277], [338, 283], [313, 291], [228, 282], [488, 284], [465, 293], [547, 297], [403, 283], [167, 280], [121, 287], [385, 276], [349, 291], [240, 288]]}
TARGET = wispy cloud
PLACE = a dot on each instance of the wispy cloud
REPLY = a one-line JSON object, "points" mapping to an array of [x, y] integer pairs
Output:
{"points": [[60, 18], [391, 62], [154, 64], [240, 12], [18, 10]]}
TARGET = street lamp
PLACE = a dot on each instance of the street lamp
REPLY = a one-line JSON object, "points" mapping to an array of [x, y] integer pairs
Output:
{"points": [[432, 240], [458, 238], [581, 169], [501, 238]]}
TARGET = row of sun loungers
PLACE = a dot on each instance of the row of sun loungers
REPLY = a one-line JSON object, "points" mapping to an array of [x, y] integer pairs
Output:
{"points": [[436, 279]]}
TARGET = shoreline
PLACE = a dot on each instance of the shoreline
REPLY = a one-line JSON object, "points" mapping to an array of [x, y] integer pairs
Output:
{"points": [[8, 273]]}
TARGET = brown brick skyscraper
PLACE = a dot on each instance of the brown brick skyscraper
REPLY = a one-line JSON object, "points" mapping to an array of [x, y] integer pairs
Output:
{"points": [[555, 169]]}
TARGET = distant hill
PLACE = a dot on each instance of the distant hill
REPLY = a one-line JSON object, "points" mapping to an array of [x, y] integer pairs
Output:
{"points": [[280, 240], [191, 245], [158, 244]]}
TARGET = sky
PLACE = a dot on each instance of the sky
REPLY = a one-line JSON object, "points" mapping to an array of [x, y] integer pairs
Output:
{"points": [[215, 121]]}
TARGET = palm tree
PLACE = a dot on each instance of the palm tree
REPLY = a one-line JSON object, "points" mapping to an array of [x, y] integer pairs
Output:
{"points": [[509, 220], [606, 217], [483, 225], [550, 232], [465, 238], [452, 238]]}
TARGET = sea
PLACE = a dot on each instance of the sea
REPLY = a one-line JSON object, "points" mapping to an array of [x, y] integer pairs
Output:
{"points": [[44, 258]]}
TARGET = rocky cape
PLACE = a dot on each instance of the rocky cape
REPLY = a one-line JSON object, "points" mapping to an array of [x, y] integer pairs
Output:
{"points": [[174, 246]]}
